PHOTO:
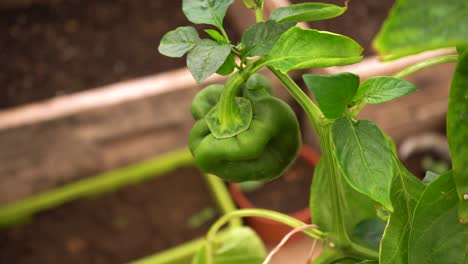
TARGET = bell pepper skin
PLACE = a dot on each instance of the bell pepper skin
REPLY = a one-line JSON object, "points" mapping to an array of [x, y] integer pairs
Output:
{"points": [[262, 152]]}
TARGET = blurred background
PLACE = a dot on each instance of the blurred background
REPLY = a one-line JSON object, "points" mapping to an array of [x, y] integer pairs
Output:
{"points": [[83, 91]]}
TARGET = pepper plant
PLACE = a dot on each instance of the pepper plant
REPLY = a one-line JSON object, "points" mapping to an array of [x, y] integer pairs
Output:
{"points": [[368, 207]]}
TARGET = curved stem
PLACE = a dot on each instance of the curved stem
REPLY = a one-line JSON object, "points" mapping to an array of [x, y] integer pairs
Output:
{"points": [[272, 215], [312, 111], [424, 64], [259, 13]]}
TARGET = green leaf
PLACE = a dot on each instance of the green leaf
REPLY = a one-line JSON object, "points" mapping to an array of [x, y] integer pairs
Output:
{"points": [[228, 66], [406, 191], [177, 42], [209, 12], [301, 48], [365, 158], [381, 89], [368, 262], [216, 36], [370, 231], [306, 12], [259, 39], [457, 131], [420, 25], [437, 236], [351, 206], [239, 245], [206, 58], [333, 92], [430, 177]]}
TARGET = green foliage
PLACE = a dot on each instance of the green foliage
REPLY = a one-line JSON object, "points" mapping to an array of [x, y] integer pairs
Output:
{"points": [[419, 25], [209, 12], [382, 89], [364, 157], [259, 39], [206, 58], [406, 190], [306, 12], [368, 206], [457, 131], [436, 235], [238, 245], [178, 42], [305, 48], [333, 92]]}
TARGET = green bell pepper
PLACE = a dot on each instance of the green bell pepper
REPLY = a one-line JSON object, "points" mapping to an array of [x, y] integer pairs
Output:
{"points": [[260, 149]]}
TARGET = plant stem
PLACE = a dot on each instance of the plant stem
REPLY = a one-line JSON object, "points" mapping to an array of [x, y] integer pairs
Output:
{"points": [[424, 64], [272, 215], [312, 111], [108, 181], [259, 14]]}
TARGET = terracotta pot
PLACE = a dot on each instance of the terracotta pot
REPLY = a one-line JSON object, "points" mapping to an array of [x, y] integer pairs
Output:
{"points": [[271, 231]]}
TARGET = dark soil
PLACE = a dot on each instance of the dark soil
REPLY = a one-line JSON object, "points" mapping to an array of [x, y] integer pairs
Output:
{"points": [[134, 222], [59, 47], [361, 21], [288, 193]]}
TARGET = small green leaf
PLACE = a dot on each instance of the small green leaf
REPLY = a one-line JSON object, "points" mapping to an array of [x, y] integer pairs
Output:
{"points": [[457, 131], [228, 66], [406, 191], [429, 177], [333, 92], [370, 231], [437, 236], [301, 48], [216, 36], [420, 25], [365, 158], [239, 245], [381, 89], [177, 42], [259, 39], [209, 12], [206, 58], [306, 12]]}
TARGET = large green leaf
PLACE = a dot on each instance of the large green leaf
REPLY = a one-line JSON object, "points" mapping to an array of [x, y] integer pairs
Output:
{"points": [[406, 191], [436, 236], [333, 200], [306, 48], [381, 89], [306, 12], [365, 158], [333, 92], [457, 131], [419, 25], [177, 42], [239, 245], [260, 38], [206, 58], [209, 12]]}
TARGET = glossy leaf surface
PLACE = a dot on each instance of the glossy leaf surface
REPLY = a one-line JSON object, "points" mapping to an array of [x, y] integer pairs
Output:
{"points": [[206, 58], [419, 25], [333, 92], [177, 42], [306, 48], [457, 131], [259, 39], [209, 12], [381, 89], [306, 12], [437, 236], [365, 158]]}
